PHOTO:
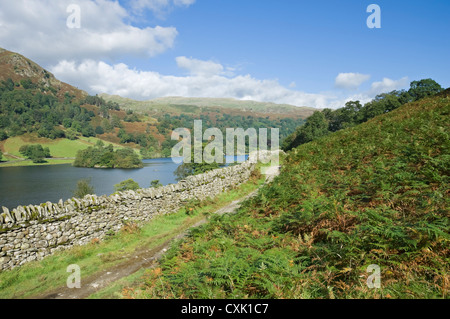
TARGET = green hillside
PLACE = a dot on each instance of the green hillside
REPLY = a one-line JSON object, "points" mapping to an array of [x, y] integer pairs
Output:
{"points": [[197, 105], [373, 194]]}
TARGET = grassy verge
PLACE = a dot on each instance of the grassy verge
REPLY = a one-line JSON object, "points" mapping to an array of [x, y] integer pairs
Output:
{"points": [[36, 278]]}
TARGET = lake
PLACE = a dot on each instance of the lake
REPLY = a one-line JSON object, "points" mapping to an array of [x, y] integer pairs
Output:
{"points": [[38, 184]]}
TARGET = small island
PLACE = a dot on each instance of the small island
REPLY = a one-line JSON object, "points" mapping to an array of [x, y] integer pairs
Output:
{"points": [[102, 156]]}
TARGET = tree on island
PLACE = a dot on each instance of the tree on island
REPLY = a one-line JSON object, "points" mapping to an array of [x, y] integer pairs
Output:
{"points": [[102, 156]]}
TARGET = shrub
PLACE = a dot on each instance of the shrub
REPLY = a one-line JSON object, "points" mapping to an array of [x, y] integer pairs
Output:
{"points": [[155, 184], [83, 188], [36, 153], [129, 184]]}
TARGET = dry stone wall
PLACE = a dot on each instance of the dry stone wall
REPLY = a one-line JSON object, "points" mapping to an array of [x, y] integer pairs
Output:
{"points": [[32, 232]]}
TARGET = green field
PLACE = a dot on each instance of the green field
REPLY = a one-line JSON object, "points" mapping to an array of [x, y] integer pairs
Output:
{"points": [[62, 150]]}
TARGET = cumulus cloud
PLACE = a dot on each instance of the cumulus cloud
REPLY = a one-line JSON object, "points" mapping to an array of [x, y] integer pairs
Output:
{"points": [[101, 77], [205, 79], [350, 81], [385, 86], [28, 27], [388, 85], [199, 67]]}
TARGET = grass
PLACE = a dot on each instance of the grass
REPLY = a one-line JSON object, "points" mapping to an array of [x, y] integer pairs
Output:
{"points": [[35, 278], [50, 161], [117, 289], [178, 105], [376, 194], [63, 150], [58, 148]]}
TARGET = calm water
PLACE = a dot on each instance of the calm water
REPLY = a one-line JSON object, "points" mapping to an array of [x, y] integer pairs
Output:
{"points": [[38, 184]]}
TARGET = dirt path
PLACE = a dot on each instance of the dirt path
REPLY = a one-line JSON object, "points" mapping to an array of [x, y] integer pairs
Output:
{"points": [[141, 258]]}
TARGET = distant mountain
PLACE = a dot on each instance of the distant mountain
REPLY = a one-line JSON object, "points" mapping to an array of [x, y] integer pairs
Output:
{"points": [[37, 108], [194, 105], [17, 67]]}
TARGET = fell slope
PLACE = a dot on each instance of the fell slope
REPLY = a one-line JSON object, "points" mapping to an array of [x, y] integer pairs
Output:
{"points": [[17, 67], [374, 194], [197, 105]]}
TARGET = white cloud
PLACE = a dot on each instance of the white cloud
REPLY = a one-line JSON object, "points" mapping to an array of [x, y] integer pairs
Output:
{"points": [[100, 77], [388, 85], [206, 79], [350, 80], [199, 67], [385, 86], [32, 29]]}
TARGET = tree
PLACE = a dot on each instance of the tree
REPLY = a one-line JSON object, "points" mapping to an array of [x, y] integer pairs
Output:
{"points": [[27, 84], [99, 130], [36, 153], [155, 184], [88, 131], [353, 113], [127, 158], [71, 134], [67, 123], [104, 112], [106, 124], [3, 135], [129, 184], [115, 121], [76, 125], [423, 88], [105, 157], [83, 188], [1, 155], [315, 127], [9, 84], [192, 168]]}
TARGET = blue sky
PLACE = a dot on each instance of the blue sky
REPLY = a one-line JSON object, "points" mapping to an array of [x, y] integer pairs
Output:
{"points": [[316, 53]]}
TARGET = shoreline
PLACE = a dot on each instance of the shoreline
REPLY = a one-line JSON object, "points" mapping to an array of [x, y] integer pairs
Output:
{"points": [[28, 162], [52, 161]]}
